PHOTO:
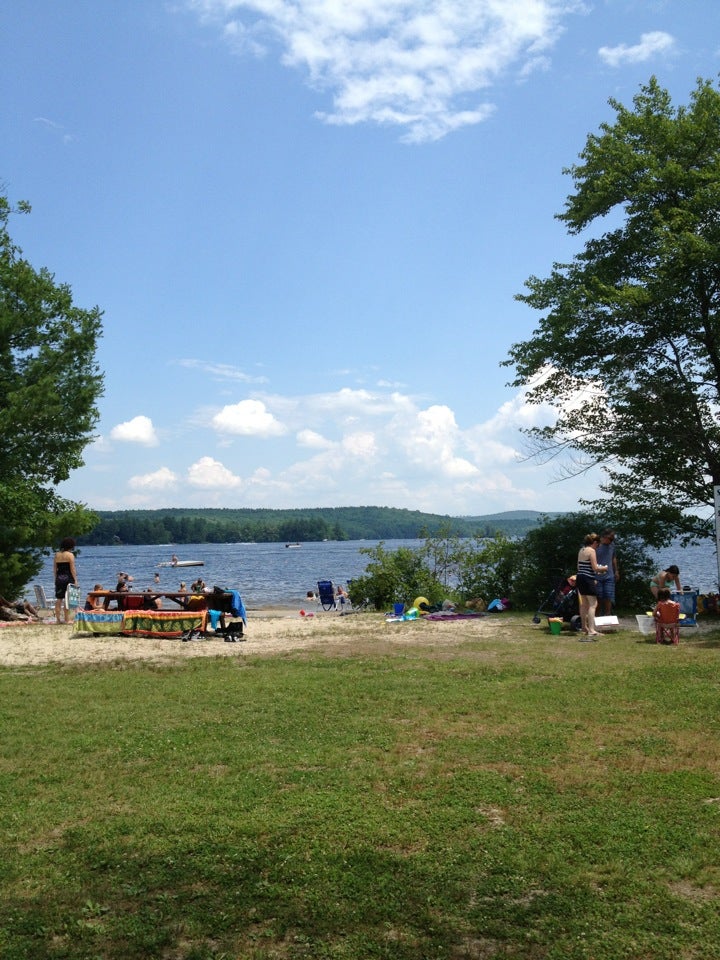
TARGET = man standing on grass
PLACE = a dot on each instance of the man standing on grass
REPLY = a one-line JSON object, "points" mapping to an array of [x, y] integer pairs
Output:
{"points": [[605, 553]]}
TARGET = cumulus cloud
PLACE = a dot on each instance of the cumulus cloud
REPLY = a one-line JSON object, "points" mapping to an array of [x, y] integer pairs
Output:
{"points": [[422, 67], [657, 41], [363, 446], [210, 474], [309, 438], [248, 418], [360, 444], [433, 441], [138, 430], [162, 479]]}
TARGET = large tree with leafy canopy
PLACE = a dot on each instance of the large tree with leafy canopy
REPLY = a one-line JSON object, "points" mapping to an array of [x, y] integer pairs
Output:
{"points": [[628, 348], [49, 386]]}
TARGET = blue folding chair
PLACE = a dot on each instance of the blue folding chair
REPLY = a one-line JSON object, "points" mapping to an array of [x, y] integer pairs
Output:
{"points": [[326, 593], [688, 605]]}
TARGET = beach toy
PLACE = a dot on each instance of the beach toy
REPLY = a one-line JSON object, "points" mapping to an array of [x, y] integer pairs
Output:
{"points": [[399, 609], [418, 601], [555, 624]]}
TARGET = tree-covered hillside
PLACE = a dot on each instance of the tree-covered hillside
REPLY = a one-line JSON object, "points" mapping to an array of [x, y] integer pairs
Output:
{"points": [[217, 525]]}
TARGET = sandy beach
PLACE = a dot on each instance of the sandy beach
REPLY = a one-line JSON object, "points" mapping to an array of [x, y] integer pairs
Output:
{"points": [[268, 632]]}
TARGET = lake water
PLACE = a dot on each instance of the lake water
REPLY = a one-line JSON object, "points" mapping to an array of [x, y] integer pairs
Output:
{"points": [[272, 575], [265, 574]]}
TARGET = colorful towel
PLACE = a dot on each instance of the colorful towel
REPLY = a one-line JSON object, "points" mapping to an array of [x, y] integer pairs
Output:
{"points": [[453, 616], [105, 622], [162, 623]]}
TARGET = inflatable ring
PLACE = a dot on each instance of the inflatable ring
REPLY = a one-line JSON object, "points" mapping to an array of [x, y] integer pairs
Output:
{"points": [[418, 600]]}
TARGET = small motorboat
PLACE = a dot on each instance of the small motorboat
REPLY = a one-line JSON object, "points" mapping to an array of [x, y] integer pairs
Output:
{"points": [[182, 563], [291, 546]]}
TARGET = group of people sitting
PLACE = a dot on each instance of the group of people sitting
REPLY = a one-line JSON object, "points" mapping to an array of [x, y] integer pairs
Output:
{"points": [[147, 598], [340, 593], [19, 610]]}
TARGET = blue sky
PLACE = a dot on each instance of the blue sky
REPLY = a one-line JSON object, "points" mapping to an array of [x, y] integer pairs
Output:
{"points": [[306, 222]]}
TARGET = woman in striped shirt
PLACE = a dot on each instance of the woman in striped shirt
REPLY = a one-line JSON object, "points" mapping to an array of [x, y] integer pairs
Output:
{"points": [[587, 570]]}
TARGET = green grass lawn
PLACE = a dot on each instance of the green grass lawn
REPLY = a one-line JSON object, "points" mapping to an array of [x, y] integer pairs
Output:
{"points": [[516, 797]]}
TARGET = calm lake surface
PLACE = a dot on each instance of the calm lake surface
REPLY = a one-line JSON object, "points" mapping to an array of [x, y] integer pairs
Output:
{"points": [[272, 575], [265, 574]]}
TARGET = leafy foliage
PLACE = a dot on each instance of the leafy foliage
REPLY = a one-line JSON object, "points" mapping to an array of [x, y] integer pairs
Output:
{"points": [[548, 555], [486, 568], [628, 349], [395, 576], [523, 570], [49, 385], [225, 525]]}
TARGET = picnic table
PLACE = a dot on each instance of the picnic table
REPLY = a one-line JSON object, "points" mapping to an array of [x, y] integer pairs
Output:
{"points": [[137, 615], [139, 599]]}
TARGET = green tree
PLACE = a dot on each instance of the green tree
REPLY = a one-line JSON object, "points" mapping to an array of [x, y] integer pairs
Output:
{"points": [[486, 568], [628, 349], [547, 555], [395, 576], [49, 385]]}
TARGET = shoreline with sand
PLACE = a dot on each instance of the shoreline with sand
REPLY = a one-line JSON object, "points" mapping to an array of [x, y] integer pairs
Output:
{"points": [[270, 631]]}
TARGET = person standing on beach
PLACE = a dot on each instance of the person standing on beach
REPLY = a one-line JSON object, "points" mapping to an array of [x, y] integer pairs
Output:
{"points": [[606, 557], [586, 582], [64, 573]]}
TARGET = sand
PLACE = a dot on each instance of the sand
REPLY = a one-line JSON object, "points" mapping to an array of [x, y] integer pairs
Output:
{"points": [[268, 632]]}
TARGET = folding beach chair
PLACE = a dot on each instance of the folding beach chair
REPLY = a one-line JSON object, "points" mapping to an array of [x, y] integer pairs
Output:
{"points": [[667, 632], [40, 597], [688, 607], [72, 597], [326, 592]]}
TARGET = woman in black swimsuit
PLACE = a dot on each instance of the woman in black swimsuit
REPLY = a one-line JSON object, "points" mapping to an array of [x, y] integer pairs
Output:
{"points": [[64, 573], [586, 583]]}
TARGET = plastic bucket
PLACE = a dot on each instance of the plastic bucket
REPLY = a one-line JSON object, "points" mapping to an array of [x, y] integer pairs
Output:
{"points": [[645, 624], [555, 626], [399, 609]]}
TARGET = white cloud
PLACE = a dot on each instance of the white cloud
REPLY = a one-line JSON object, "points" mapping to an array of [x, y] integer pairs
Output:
{"points": [[248, 418], [162, 479], [309, 438], [210, 474], [361, 446], [220, 371], [56, 128], [657, 41], [423, 67], [433, 440], [138, 430]]}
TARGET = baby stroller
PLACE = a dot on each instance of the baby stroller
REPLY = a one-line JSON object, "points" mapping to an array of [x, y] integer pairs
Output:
{"points": [[562, 601]]}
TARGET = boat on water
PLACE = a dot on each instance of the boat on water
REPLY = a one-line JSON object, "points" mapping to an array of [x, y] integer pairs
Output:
{"points": [[291, 546], [182, 563]]}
